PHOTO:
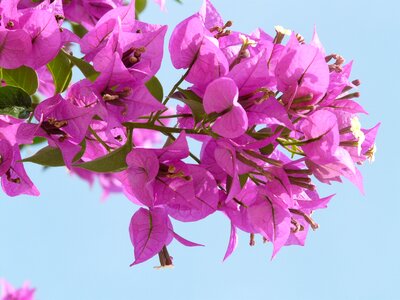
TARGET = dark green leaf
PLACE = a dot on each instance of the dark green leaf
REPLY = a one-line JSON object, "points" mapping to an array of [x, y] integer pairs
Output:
{"points": [[23, 77], [193, 101], [114, 161], [15, 102], [155, 88], [50, 156], [61, 70], [47, 156], [243, 179], [140, 5], [267, 150], [78, 29], [87, 69]]}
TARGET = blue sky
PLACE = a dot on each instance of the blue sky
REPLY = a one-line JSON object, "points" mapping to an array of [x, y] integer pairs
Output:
{"points": [[70, 246]]}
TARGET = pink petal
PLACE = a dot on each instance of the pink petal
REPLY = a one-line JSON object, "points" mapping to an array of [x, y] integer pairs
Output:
{"points": [[149, 232], [233, 241]]}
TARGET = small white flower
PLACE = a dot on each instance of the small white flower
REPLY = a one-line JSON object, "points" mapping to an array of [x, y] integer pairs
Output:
{"points": [[283, 30], [357, 132]]}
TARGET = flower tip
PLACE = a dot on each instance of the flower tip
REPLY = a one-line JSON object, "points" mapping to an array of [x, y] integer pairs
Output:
{"points": [[163, 267], [281, 29]]}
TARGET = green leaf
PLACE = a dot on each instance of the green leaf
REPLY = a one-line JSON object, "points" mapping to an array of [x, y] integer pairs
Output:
{"points": [[15, 102], [155, 88], [267, 150], [61, 70], [87, 69], [243, 179], [193, 101], [114, 161], [78, 29], [48, 157], [52, 157], [140, 5], [23, 77]]}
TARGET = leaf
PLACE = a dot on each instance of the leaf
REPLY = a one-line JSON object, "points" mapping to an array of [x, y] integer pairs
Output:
{"points": [[23, 77], [155, 88], [87, 69], [114, 161], [48, 157], [51, 156], [267, 150], [193, 101], [140, 5], [61, 70], [78, 29], [243, 179], [15, 102]]}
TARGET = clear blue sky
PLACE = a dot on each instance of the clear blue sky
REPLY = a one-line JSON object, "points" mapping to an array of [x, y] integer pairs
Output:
{"points": [[70, 246]]}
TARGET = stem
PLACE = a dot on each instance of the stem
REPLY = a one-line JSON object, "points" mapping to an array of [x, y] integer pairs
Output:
{"points": [[162, 129], [169, 116], [174, 88], [108, 148]]}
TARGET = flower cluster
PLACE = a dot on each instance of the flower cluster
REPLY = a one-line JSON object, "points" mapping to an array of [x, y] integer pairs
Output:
{"points": [[269, 111], [10, 293]]}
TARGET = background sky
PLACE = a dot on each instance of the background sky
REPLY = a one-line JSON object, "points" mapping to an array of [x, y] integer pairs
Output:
{"points": [[70, 246]]}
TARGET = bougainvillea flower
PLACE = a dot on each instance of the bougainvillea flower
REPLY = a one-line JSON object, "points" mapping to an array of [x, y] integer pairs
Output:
{"points": [[88, 13], [114, 104], [14, 179], [15, 48], [45, 36], [11, 293], [268, 112], [271, 218], [221, 98], [251, 74], [161, 3], [132, 56], [193, 45], [159, 178], [303, 67], [204, 202], [151, 231], [62, 123], [322, 127]]}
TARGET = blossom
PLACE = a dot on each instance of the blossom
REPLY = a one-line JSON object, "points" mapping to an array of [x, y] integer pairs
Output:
{"points": [[11, 293], [221, 98]]}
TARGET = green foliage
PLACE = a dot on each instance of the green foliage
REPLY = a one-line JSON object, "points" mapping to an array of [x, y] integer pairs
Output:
{"points": [[155, 88], [15, 102], [78, 29], [61, 70], [193, 101], [87, 69], [48, 157], [22, 77], [140, 5], [114, 161]]}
